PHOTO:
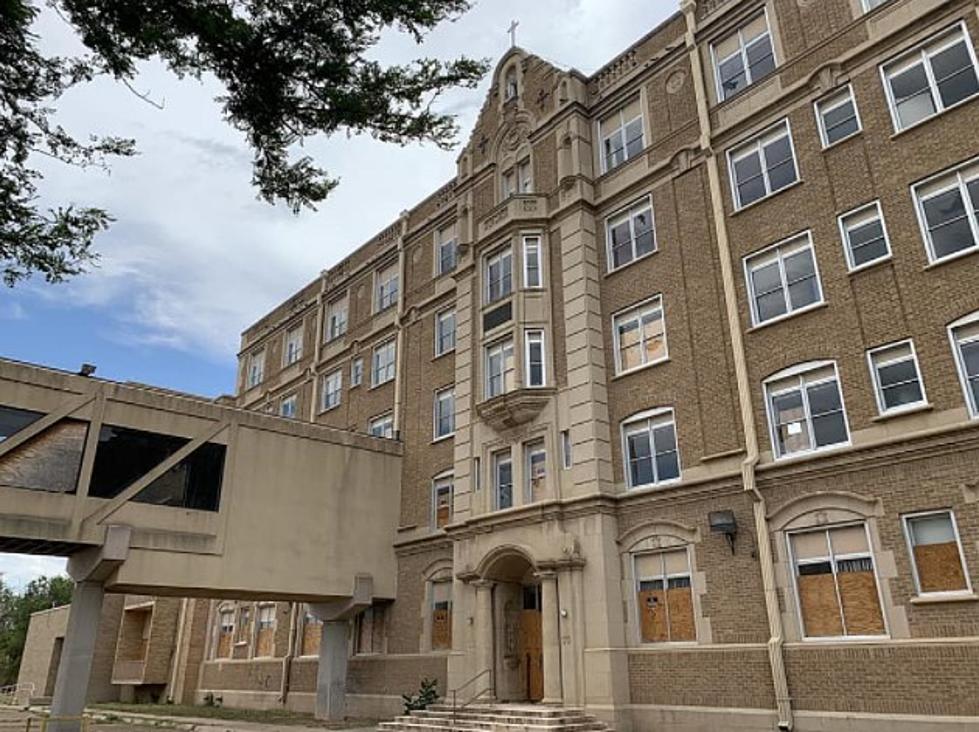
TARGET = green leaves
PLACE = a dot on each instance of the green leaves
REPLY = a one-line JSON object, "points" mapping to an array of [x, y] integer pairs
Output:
{"points": [[15, 616], [292, 70]]}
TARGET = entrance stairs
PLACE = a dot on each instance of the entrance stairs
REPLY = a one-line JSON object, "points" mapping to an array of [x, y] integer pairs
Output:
{"points": [[487, 717]]}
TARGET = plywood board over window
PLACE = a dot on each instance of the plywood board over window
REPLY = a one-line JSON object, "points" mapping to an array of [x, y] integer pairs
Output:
{"points": [[665, 598], [312, 634], [441, 616]]}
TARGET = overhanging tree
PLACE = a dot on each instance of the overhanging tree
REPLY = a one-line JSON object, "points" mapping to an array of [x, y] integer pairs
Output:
{"points": [[290, 69]]}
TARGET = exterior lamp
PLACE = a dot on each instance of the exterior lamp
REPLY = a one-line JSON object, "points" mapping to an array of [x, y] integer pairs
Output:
{"points": [[723, 522]]}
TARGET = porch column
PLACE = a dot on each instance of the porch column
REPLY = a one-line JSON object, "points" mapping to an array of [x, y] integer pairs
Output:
{"points": [[331, 675], [551, 637], [75, 669], [485, 657]]}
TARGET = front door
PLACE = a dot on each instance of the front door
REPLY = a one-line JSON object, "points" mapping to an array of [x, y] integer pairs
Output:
{"points": [[529, 645]]}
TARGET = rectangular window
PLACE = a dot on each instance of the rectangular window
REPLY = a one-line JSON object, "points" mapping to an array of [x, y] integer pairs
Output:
{"points": [[332, 390], [664, 597], [865, 240], [386, 288], [244, 629], [525, 176], [445, 332], [965, 341], [806, 411], [836, 583], [622, 135], [336, 319], [567, 456], [477, 475], [931, 78], [650, 449], [442, 616], [869, 5], [265, 638], [783, 279], [226, 632], [535, 467], [498, 273], [948, 209], [444, 413], [369, 631], [536, 366], [763, 166], [289, 406], [630, 235], [383, 363], [499, 368], [897, 379], [256, 369], [508, 183], [532, 274], [936, 553], [356, 372], [745, 57], [503, 480], [293, 350], [312, 634], [447, 249], [640, 336], [382, 426], [442, 490], [838, 117]]}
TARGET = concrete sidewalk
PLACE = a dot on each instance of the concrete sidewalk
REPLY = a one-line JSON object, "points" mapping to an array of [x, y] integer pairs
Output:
{"points": [[202, 724]]}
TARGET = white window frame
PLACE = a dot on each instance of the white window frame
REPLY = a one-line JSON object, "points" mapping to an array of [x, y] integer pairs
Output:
{"points": [[798, 373], [500, 458], [336, 315], [792, 244], [292, 345], [440, 395], [535, 336], [972, 404], [906, 520], [636, 312], [629, 213], [325, 390], [920, 53], [500, 345], [441, 317], [255, 370], [386, 288], [756, 145], [440, 243], [793, 568], [875, 377], [533, 243], [639, 579], [652, 418], [392, 367], [869, 5], [356, 372], [531, 450], [743, 51], [291, 399], [525, 176], [497, 256], [442, 480], [961, 182], [567, 450], [387, 421], [620, 130], [833, 101], [845, 229]]}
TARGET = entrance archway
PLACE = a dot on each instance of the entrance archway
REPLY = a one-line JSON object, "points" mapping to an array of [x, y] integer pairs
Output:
{"points": [[518, 657]]}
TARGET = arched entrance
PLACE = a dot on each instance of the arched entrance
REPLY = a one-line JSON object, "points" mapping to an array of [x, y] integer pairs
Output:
{"points": [[518, 657]]}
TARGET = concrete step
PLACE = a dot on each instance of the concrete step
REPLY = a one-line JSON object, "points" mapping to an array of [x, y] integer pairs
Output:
{"points": [[492, 717], [571, 724]]}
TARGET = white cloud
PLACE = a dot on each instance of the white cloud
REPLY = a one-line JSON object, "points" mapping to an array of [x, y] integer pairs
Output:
{"points": [[12, 311], [17, 570]]}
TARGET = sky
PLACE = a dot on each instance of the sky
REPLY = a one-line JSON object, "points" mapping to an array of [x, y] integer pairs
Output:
{"points": [[193, 258]]}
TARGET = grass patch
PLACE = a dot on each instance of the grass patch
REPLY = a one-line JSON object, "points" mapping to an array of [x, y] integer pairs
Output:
{"points": [[259, 716]]}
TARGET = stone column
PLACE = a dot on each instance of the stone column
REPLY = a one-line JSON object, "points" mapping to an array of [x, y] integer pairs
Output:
{"points": [[331, 676], [551, 637], [75, 669], [485, 655]]}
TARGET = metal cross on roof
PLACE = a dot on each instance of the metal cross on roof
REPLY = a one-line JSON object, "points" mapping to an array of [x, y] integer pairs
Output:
{"points": [[513, 33]]}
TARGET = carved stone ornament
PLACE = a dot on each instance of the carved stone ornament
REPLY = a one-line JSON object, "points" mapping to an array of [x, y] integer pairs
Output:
{"points": [[515, 408], [675, 82]]}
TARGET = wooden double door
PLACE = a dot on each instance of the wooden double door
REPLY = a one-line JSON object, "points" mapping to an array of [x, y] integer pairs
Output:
{"points": [[530, 646]]}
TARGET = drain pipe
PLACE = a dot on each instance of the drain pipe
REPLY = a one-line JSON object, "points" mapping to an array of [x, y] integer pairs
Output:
{"points": [[317, 347], [400, 356], [748, 466], [290, 655]]}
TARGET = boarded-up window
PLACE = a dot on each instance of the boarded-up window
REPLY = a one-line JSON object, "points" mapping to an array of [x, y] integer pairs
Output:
{"points": [[938, 562], [665, 597], [441, 616], [226, 632], [265, 639], [369, 631], [443, 501], [312, 633], [244, 624], [837, 584]]}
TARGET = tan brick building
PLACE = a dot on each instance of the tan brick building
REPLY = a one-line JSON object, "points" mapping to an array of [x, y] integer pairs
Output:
{"points": [[685, 362]]}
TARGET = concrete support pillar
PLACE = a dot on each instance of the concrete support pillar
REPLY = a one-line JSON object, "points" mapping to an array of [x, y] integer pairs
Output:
{"points": [[71, 687], [485, 655], [551, 637], [331, 676]]}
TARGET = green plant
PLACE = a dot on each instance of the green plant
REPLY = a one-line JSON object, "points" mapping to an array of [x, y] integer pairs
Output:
{"points": [[427, 694]]}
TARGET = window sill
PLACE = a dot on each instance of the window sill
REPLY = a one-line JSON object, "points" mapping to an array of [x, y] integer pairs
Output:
{"points": [[769, 197], [438, 356], [952, 258], [940, 598], [907, 411], [638, 369], [871, 265], [329, 409], [789, 316], [652, 487], [380, 384], [443, 438], [637, 260], [830, 146], [798, 456]]}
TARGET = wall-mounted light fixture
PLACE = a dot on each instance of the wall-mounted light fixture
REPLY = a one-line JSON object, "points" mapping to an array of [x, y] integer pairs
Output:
{"points": [[724, 522]]}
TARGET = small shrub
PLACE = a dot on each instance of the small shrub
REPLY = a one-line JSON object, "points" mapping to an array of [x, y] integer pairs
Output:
{"points": [[428, 694]]}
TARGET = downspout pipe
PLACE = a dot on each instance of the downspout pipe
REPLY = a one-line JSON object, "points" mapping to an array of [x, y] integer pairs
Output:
{"points": [[776, 640], [290, 655], [317, 347], [399, 375]]}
